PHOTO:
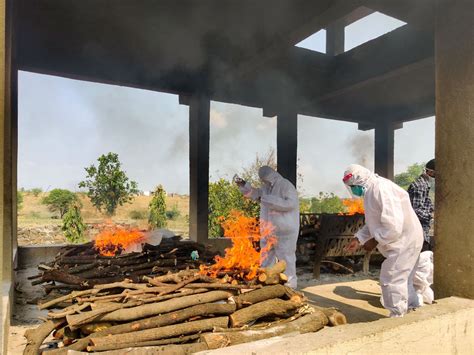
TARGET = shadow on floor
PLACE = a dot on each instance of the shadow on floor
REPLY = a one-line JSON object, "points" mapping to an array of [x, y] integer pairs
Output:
{"points": [[372, 298]]}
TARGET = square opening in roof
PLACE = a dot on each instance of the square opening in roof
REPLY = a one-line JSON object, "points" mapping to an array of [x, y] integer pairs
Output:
{"points": [[369, 28]]}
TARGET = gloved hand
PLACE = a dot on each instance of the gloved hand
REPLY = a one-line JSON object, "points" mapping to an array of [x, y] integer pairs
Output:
{"points": [[370, 245]]}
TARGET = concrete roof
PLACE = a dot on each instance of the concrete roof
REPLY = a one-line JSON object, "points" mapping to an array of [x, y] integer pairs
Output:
{"points": [[238, 52]]}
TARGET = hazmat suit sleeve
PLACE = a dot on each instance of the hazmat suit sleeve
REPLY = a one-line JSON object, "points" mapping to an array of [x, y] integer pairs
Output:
{"points": [[363, 234], [287, 202], [390, 226], [251, 192]]}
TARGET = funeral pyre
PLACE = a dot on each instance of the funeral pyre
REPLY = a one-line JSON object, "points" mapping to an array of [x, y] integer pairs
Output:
{"points": [[185, 311]]}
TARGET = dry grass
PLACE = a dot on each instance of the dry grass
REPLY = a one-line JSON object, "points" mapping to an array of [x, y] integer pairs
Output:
{"points": [[34, 213]]}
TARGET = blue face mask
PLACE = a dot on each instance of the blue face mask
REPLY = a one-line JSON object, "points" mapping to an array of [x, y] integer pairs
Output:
{"points": [[358, 190]]}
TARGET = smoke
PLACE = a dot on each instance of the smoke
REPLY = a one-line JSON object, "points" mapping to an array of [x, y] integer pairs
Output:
{"points": [[362, 149]]}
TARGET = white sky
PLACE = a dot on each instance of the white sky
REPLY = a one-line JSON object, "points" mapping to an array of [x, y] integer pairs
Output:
{"points": [[64, 125]]}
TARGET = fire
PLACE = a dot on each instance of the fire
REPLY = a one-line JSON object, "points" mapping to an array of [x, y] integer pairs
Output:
{"points": [[114, 239], [244, 232], [353, 206]]}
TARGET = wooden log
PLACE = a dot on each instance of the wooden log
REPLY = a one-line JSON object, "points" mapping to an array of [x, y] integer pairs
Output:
{"points": [[64, 277], [35, 337], [71, 296], [178, 340], [173, 349], [75, 308], [123, 284], [222, 286], [308, 323], [180, 285], [335, 317], [273, 307], [259, 295], [175, 277], [162, 332], [271, 275]]}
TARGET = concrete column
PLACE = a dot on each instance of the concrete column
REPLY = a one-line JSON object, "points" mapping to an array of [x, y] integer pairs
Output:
{"points": [[199, 107], [287, 145], [454, 222], [335, 38], [384, 149]]}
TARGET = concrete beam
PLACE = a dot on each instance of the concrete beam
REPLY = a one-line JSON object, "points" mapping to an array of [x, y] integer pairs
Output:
{"points": [[335, 34], [287, 145], [454, 223], [199, 132], [384, 150]]}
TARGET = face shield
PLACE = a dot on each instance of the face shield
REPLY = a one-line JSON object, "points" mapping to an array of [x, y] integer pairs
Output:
{"points": [[355, 191]]}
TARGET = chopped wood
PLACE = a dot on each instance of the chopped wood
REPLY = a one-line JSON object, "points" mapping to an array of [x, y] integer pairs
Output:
{"points": [[271, 275], [124, 284], [335, 317], [163, 332], [71, 296], [222, 286], [308, 323], [152, 309], [69, 310], [36, 336], [173, 349], [259, 295], [178, 340], [180, 285], [272, 307]]}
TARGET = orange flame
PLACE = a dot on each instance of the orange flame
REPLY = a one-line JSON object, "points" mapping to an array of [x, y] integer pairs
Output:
{"points": [[243, 257], [353, 206], [113, 240]]}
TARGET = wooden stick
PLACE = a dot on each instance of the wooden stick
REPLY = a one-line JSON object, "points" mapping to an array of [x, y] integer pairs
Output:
{"points": [[163, 332], [178, 340], [271, 274], [308, 323], [273, 307], [71, 296], [36, 336], [124, 284], [152, 309], [335, 317], [180, 285], [259, 295], [75, 308], [222, 286], [174, 349]]}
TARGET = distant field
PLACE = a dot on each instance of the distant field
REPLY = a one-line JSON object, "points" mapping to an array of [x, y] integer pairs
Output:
{"points": [[33, 213]]}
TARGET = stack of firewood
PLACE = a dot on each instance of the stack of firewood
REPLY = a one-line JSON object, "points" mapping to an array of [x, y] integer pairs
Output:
{"points": [[78, 267], [185, 311]]}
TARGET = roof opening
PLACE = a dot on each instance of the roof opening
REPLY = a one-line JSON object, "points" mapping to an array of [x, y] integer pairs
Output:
{"points": [[369, 28], [316, 42]]}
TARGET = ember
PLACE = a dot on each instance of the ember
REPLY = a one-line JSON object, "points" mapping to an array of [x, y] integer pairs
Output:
{"points": [[353, 206], [243, 257], [114, 240]]}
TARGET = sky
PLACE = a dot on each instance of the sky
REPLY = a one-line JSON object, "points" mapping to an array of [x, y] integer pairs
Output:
{"points": [[65, 125]]}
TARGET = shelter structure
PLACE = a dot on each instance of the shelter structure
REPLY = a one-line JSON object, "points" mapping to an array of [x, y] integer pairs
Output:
{"points": [[243, 52]]}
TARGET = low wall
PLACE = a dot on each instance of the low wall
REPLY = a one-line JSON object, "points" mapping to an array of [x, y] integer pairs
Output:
{"points": [[444, 328], [32, 255]]}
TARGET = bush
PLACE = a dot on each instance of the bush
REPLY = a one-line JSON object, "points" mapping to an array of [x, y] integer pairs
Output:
{"points": [[34, 214], [36, 191], [138, 214], [173, 213], [73, 226], [225, 196]]}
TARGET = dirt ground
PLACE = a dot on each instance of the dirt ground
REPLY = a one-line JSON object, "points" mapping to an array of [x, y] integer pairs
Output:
{"points": [[354, 294]]}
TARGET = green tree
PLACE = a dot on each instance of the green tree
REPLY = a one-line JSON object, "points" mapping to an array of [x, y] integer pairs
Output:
{"points": [[19, 200], [406, 178], [250, 174], [173, 213], [326, 203], [225, 196], [108, 186], [59, 200], [157, 209], [73, 226]]}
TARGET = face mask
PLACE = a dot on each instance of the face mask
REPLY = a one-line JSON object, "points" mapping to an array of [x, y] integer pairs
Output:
{"points": [[358, 190]]}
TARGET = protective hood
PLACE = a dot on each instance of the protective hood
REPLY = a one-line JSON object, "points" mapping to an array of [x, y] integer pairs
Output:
{"points": [[357, 175], [268, 175]]}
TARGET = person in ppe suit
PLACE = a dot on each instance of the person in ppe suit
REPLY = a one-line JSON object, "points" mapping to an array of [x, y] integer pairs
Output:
{"points": [[279, 205], [392, 226]]}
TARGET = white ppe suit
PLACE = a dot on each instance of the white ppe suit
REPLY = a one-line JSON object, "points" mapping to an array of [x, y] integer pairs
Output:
{"points": [[390, 219], [279, 205], [423, 278]]}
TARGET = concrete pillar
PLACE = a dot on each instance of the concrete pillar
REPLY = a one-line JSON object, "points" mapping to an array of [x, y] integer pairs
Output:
{"points": [[8, 148], [384, 149], [335, 38], [199, 107], [287, 145], [454, 222]]}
